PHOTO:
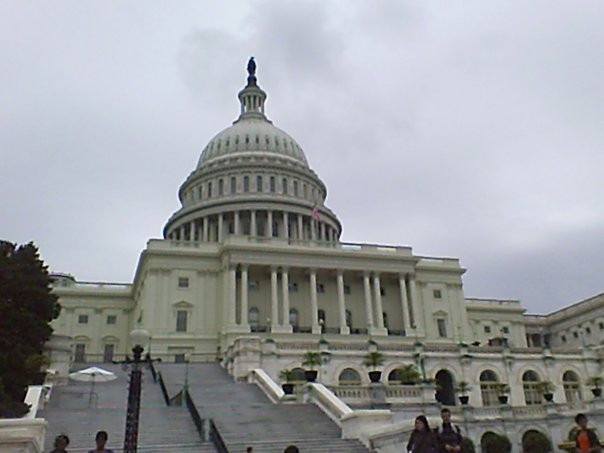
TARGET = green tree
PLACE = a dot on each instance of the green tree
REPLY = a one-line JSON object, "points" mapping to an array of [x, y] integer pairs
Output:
{"points": [[26, 308]]}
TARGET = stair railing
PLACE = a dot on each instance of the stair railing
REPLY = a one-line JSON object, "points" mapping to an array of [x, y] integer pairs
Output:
{"points": [[164, 391], [216, 438], [197, 420]]}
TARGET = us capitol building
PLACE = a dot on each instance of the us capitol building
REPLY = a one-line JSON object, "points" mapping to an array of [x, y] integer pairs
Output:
{"points": [[251, 272]]}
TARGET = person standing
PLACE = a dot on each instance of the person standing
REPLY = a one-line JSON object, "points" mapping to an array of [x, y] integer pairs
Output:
{"points": [[61, 442], [101, 439], [586, 440], [422, 438], [449, 435]]}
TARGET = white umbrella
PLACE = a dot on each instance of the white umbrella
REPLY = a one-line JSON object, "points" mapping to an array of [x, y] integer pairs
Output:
{"points": [[92, 375]]}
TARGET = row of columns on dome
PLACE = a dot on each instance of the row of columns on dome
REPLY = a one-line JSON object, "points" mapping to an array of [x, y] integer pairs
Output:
{"points": [[212, 228], [237, 304]]}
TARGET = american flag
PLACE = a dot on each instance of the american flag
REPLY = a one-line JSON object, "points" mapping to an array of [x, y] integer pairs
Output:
{"points": [[315, 213]]}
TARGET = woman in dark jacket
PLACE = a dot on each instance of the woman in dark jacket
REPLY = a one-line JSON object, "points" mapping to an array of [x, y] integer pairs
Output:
{"points": [[422, 438]]}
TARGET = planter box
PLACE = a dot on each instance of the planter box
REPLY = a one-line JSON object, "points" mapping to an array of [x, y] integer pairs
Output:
{"points": [[311, 375], [375, 376]]}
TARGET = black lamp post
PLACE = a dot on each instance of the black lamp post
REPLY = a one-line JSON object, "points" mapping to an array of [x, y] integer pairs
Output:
{"points": [[138, 338]]}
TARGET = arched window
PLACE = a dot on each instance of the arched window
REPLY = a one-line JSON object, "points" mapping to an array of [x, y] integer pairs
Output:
{"points": [[534, 440], [252, 318], [570, 382], [530, 379], [349, 319], [488, 383], [293, 319], [349, 377], [299, 377]]}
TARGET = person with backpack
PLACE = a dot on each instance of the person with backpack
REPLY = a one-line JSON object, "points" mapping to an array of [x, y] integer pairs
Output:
{"points": [[448, 435]]}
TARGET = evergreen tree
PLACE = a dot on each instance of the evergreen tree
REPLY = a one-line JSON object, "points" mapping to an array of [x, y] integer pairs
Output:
{"points": [[26, 308]]}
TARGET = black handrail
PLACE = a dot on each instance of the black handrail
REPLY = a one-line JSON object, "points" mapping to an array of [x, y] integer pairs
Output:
{"points": [[153, 371], [195, 415], [164, 391], [216, 439]]}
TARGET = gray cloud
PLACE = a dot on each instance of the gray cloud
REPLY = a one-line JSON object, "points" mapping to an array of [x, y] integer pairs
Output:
{"points": [[468, 129]]}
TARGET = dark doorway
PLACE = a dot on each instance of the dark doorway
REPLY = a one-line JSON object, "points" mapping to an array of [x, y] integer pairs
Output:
{"points": [[445, 392]]}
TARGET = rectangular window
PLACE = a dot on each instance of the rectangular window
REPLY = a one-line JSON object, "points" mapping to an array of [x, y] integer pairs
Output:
{"points": [[346, 289], [272, 183], [210, 189], [563, 338], [284, 186], [246, 183], [181, 321], [111, 319], [305, 191], [437, 293], [588, 330], [601, 325], [320, 288], [576, 334], [183, 282], [220, 186], [83, 319], [179, 358], [295, 188], [233, 185], [80, 353], [108, 353], [258, 183], [505, 329], [442, 328], [487, 329]]}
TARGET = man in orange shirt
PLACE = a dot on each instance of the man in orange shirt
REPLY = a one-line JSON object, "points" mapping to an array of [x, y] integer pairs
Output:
{"points": [[586, 440]]}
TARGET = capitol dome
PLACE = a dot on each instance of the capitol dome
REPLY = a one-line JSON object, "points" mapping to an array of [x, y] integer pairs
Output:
{"points": [[253, 179]]}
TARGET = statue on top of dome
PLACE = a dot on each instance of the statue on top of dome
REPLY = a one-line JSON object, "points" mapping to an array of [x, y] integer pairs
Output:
{"points": [[251, 67]]}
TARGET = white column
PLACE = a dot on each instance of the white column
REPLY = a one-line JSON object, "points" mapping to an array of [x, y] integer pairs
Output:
{"points": [[182, 233], [285, 294], [236, 228], [313, 229], [344, 329], [377, 291], [274, 299], [300, 228], [206, 231], [286, 225], [232, 296], [269, 226], [220, 227], [192, 231], [404, 303], [414, 303], [314, 308], [323, 237], [244, 304], [253, 226], [368, 304]]}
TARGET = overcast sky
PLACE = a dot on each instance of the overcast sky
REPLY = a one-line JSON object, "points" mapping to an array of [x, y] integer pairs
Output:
{"points": [[472, 129]]}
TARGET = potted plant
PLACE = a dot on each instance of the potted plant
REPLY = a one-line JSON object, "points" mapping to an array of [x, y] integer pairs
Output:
{"points": [[408, 375], [546, 388], [596, 382], [502, 389], [311, 360], [463, 388], [287, 376], [373, 360]]}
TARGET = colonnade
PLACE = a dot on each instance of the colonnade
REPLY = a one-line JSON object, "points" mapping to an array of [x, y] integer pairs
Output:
{"points": [[279, 321], [258, 223]]}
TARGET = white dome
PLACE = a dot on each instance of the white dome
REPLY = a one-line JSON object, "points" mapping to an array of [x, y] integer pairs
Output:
{"points": [[252, 136]]}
